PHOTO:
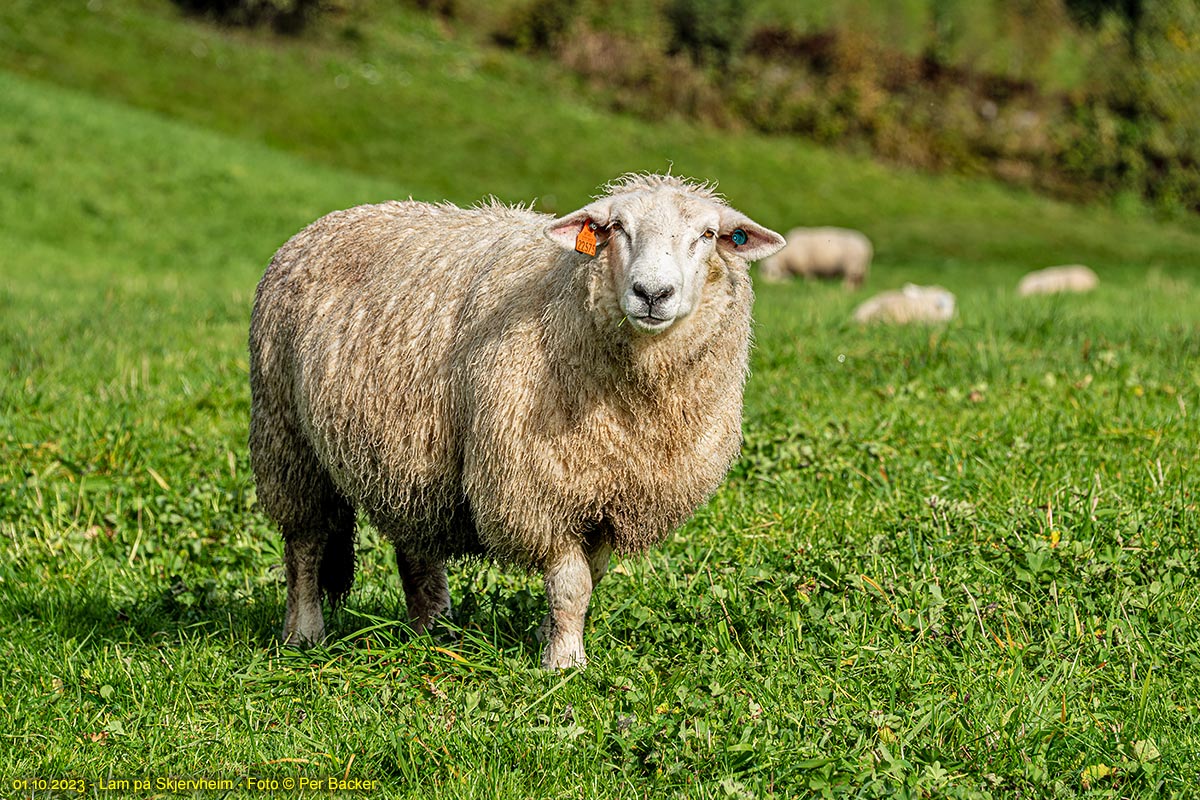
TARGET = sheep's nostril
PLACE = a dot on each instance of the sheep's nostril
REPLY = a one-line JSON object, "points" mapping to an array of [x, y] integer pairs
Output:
{"points": [[652, 296]]}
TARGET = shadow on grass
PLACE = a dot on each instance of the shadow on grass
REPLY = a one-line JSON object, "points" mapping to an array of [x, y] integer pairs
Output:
{"points": [[485, 627], [90, 615]]}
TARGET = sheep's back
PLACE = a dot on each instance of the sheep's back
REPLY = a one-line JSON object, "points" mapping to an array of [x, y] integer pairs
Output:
{"points": [[370, 307], [1051, 280], [456, 374]]}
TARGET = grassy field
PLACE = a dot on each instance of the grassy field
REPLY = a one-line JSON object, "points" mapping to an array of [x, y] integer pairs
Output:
{"points": [[958, 561]]}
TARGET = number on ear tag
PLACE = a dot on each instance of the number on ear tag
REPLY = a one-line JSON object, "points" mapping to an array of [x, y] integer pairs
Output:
{"points": [[585, 241]]}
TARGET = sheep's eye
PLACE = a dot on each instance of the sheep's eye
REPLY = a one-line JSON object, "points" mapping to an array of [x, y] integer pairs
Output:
{"points": [[710, 233], [616, 227]]}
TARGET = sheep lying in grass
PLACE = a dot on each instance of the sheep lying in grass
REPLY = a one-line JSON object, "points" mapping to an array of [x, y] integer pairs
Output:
{"points": [[479, 385], [1052, 280], [911, 304], [826, 253]]}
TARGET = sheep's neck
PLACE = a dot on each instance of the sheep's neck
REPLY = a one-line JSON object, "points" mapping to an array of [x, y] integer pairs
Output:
{"points": [[703, 356]]}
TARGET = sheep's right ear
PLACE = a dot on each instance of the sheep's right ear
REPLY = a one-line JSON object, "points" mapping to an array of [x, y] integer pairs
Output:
{"points": [[744, 237], [563, 230]]}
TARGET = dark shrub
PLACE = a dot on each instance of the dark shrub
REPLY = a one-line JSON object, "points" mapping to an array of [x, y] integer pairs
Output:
{"points": [[709, 31], [285, 16]]}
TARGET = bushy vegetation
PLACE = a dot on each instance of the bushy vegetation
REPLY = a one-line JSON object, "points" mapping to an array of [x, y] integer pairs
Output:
{"points": [[1081, 99], [285, 16]]}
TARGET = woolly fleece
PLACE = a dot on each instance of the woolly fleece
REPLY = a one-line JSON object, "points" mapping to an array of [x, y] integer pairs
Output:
{"points": [[475, 389]]}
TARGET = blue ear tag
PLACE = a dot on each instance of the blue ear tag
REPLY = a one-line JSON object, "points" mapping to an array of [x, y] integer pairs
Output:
{"points": [[739, 237]]}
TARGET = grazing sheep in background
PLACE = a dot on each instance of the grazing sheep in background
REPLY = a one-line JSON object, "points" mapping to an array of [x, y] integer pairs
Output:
{"points": [[1051, 280], [827, 253], [911, 304], [479, 386]]}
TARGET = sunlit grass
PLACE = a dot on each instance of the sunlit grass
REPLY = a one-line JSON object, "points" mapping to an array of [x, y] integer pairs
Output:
{"points": [[954, 561]]}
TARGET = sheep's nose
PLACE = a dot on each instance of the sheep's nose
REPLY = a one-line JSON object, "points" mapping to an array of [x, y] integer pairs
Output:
{"points": [[652, 295]]}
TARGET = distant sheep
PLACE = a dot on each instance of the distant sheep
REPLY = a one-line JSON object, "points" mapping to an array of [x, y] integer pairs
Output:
{"points": [[911, 304], [1052, 280], [825, 253], [479, 385]]}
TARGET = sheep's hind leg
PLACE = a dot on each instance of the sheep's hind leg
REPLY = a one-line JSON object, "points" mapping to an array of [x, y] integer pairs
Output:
{"points": [[426, 590], [599, 556], [319, 562], [303, 622], [570, 580]]}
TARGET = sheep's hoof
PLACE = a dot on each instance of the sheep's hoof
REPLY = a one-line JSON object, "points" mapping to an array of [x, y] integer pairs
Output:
{"points": [[439, 628], [301, 640], [564, 662], [559, 656]]}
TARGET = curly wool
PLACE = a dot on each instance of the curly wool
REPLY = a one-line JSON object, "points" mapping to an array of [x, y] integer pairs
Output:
{"points": [[649, 181], [821, 253], [911, 303], [1055, 280], [476, 390]]}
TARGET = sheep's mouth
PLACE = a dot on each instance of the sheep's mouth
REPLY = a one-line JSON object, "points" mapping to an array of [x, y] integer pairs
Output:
{"points": [[648, 323]]}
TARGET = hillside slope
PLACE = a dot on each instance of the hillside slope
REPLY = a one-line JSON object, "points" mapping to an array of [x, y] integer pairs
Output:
{"points": [[446, 120]]}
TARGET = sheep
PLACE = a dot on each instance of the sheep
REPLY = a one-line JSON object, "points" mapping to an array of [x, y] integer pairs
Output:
{"points": [[1051, 280], [491, 382], [910, 304], [821, 253]]}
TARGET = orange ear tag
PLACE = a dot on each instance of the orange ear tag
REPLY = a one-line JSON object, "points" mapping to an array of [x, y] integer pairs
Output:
{"points": [[585, 241]]}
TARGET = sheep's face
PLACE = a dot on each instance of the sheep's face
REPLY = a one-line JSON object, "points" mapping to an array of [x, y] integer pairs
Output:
{"points": [[659, 245]]}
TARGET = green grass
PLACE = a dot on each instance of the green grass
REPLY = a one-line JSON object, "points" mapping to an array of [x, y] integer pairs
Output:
{"points": [[956, 561]]}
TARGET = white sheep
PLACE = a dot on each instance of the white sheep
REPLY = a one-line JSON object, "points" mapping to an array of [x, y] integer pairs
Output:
{"points": [[910, 304], [478, 385], [1052, 280], [824, 253]]}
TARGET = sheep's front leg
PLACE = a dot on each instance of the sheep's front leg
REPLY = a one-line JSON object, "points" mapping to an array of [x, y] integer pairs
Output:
{"points": [[426, 590], [570, 579]]}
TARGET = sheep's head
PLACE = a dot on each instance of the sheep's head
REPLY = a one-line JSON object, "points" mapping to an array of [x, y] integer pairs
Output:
{"points": [[659, 234]]}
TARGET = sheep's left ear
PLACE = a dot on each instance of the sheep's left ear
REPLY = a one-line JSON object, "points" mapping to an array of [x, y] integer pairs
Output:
{"points": [[745, 238], [564, 230]]}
